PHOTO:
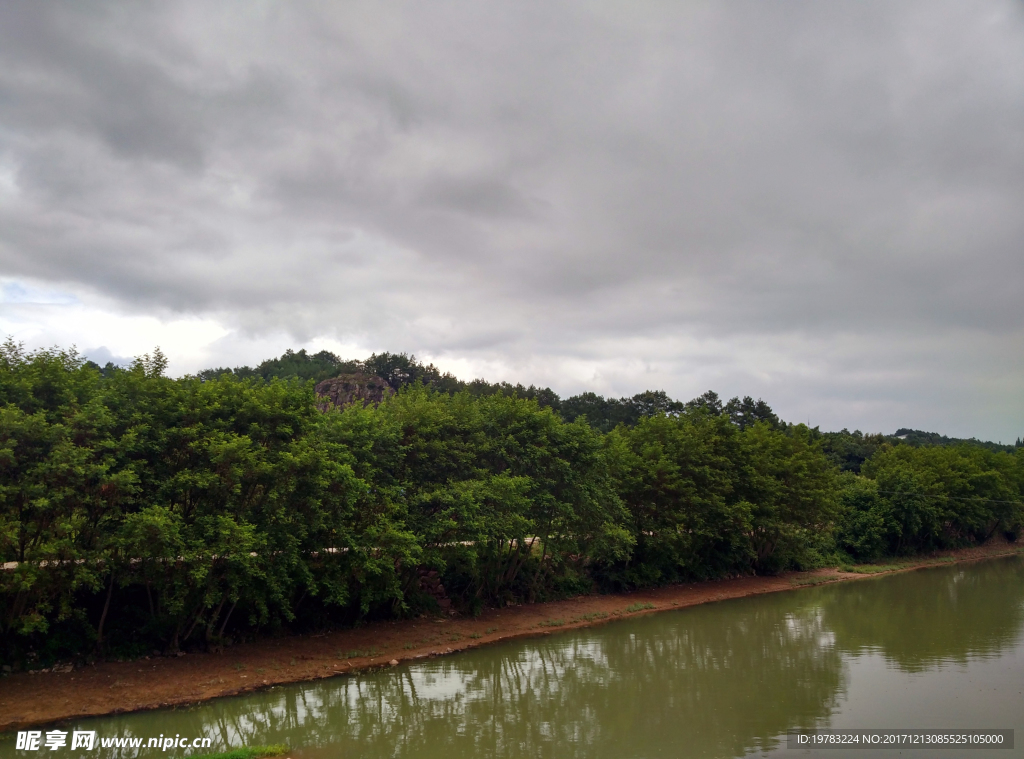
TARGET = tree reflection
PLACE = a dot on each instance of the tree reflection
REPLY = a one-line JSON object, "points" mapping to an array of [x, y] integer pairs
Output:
{"points": [[921, 619], [713, 681], [718, 680]]}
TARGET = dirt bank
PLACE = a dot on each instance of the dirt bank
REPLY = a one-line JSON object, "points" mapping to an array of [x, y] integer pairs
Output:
{"points": [[111, 687]]}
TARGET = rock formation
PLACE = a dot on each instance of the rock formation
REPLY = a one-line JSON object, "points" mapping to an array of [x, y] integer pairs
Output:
{"points": [[352, 388], [430, 583]]}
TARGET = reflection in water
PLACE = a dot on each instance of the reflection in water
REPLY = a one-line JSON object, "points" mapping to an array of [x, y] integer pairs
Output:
{"points": [[718, 680], [931, 617]]}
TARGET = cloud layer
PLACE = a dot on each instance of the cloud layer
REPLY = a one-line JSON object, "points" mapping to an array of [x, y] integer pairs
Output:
{"points": [[816, 203]]}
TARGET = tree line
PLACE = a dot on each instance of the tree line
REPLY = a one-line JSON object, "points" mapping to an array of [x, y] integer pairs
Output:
{"points": [[142, 512]]}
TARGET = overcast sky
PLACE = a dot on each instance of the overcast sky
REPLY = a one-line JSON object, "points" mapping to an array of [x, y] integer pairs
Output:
{"points": [[821, 204]]}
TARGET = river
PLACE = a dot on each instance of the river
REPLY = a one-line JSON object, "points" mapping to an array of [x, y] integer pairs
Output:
{"points": [[932, 648]]}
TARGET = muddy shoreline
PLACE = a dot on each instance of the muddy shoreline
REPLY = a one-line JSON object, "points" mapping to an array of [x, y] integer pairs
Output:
{"points": [[116, 687]]}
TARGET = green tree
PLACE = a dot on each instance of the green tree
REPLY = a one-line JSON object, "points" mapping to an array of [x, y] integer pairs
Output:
{"points": [[791, 485], [946, 496], [677, 479]]}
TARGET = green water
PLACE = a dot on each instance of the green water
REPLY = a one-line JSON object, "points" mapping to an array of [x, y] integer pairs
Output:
{"points": [[934, 648]]}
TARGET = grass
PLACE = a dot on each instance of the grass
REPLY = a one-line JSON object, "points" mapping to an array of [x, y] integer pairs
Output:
{"points": [[476, 636], [802, 581], [489, 630], [873, 569], [357, 654], [250, 752], [638, 607], [591, 617]]}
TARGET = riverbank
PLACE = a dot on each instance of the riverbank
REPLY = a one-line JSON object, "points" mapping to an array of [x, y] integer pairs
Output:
{"points": [[113, 687]]}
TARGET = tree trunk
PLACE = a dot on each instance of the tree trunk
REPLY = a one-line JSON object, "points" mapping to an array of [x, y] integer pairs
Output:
{"points": [[226, 618], [103, 616]]}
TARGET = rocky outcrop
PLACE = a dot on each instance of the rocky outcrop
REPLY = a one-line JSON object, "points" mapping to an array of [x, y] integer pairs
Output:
{"points": [[352, 388], [430, 583]]}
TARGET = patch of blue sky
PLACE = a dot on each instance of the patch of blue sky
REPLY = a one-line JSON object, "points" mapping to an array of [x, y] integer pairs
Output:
{"points": [[15, 291]]}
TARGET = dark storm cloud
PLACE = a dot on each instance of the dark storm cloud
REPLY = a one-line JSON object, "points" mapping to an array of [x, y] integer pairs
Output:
{"points": [[777, 198]]}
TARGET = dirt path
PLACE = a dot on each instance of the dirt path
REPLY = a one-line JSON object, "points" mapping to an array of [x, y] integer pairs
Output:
{"points": [[112, 687]]}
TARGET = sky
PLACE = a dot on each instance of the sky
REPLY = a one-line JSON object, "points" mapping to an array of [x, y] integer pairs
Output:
{"points": [[816, 203]]}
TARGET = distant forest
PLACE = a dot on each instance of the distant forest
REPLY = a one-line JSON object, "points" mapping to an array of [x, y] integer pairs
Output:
{"points": [[847, 449], [400, 369], [142, 512]]}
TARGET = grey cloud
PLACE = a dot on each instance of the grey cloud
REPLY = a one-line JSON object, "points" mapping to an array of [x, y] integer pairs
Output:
{"points": [[61, 77], [580, 182]]}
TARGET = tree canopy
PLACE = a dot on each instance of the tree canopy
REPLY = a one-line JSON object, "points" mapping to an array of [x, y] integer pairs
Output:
{"points": [[141, 511]]}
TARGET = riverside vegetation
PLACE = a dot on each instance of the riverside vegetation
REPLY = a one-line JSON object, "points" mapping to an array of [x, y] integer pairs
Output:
{"points": [[142, 512]]}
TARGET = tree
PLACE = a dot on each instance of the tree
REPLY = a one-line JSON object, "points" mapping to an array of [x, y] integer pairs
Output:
{"points": [[945, 496], [677, 479], [709, 402], [747, 412], [791, 485]]}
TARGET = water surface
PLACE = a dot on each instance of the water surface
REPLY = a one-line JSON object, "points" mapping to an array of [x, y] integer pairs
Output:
{"points": [[933, 648]]}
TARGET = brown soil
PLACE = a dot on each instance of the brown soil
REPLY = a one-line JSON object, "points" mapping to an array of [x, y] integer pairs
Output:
{"points": [[112, 687]]}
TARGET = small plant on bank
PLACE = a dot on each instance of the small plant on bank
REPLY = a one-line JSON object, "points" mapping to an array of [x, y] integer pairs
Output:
{"points": [[873, 569], [591, 617], [250, 752], [638, 606], [809, 581]]}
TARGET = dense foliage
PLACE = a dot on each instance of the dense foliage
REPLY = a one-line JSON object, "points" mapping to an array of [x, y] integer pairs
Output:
{"points": [[139, 511], [919, 437]]}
